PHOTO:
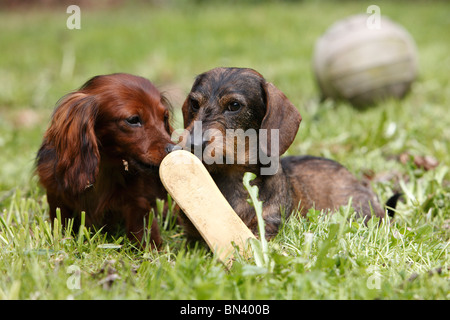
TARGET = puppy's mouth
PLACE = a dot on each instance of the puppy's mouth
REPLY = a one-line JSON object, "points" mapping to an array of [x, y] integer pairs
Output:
{"points": [[137, 165]]}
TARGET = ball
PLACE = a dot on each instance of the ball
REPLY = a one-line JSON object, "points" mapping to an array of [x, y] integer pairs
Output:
{"points": [[364, 63]]}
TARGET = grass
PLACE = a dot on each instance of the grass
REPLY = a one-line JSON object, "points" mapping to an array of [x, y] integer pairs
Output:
{"points": [[321, 257]]}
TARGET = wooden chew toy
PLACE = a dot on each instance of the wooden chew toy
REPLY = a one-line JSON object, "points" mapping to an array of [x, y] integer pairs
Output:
{"points": [[191, 186]]}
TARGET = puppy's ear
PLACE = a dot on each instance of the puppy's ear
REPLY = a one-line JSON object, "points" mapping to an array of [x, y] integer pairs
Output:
{"points": [[281, 114], [69, 152]]}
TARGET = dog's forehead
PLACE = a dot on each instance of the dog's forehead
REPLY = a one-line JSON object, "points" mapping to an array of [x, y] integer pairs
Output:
{"points": [[222, 81]]}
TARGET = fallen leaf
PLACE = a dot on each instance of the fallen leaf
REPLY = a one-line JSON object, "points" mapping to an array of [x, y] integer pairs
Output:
{"points": [[424, 162]]}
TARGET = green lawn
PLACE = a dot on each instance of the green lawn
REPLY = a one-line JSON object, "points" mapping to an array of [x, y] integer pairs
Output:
{"points": [[323, 257]]}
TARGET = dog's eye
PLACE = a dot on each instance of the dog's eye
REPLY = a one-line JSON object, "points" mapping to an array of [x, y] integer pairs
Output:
{"points": [[194, 105], [134, 121], [234, 106]]}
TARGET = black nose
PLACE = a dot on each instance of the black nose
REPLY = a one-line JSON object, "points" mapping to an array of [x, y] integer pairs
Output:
{"points": [[172, 147]]}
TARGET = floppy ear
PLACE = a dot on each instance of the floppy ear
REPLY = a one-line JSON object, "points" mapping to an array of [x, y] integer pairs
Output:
{"points": [[70, 152], [281, 114]]}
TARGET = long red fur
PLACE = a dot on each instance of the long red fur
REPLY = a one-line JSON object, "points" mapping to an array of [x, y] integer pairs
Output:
{"points": [[101, 154]]}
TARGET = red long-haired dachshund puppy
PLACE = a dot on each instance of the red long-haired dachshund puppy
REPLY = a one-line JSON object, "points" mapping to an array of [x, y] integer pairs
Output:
{"points": [[230, 106], [101, 154]]}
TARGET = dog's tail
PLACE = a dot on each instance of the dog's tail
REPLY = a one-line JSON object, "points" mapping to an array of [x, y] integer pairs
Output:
{"points": [[391, 203]]}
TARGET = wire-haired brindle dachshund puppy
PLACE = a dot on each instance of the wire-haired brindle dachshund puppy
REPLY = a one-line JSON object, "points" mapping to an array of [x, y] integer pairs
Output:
{"points": [[228, 107], [101, 154]]}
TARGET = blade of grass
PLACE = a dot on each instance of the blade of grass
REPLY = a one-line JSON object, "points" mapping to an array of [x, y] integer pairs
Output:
{"points": [[260, 248], [81, 232]]}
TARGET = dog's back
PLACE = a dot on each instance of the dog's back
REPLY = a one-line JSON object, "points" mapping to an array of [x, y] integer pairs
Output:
{"points": [[325, 184]]}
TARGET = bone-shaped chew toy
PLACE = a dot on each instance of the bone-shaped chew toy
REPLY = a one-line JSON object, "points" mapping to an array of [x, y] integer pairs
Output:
{"points": [[191, 186]]}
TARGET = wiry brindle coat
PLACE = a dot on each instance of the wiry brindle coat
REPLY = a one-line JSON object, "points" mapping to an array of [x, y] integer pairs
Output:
{"points": [[233, 98]]}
